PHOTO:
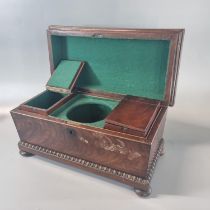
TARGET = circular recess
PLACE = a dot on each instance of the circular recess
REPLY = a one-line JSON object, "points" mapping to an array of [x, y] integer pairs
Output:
{"points": [[88, 113]]}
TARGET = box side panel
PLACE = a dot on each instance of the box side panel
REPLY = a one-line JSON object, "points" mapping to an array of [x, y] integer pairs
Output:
{"points": [[157, 138], [108, 150]]}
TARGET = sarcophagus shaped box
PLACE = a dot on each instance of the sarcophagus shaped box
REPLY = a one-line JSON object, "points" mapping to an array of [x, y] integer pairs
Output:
{"points": [[105, 104]]}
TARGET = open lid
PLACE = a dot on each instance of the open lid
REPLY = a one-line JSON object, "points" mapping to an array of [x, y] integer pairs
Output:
{"points": [[65, 76], [138, 62]]}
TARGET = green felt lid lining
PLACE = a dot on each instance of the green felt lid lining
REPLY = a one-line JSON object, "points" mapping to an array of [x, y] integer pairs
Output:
{"points": [[65, 75], [124, 66]]}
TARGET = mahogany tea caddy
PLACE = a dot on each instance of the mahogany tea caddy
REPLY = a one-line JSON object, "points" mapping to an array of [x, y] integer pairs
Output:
{"points": [[105, 104]]}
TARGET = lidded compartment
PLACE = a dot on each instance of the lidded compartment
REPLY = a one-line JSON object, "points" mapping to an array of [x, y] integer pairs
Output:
{"points": [[45, 102], [133, 116], [59, 86]]}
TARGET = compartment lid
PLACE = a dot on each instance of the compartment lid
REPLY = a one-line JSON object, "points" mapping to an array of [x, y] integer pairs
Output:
{"points": [[137, 62], [65, 76], [134, 114]]}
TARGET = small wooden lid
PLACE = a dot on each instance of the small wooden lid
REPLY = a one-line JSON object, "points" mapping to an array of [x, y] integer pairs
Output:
{"points": [[134, 114], [64, 79]]}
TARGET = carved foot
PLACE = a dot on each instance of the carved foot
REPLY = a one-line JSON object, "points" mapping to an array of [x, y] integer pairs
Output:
{"points": [[143, 193], [25, 154]]}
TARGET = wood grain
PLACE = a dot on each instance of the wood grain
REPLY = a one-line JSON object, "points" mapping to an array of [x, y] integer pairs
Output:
{"points": [[100, 148]]}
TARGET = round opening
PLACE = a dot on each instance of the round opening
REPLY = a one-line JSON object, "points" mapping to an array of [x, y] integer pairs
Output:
{"points": [[88, 113]]}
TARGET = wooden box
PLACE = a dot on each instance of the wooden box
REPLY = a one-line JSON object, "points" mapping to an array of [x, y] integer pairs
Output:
{"points": [[105, 104]]}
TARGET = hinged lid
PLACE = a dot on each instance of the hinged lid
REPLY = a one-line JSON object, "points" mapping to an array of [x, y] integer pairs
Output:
{"points": [[134, 114], [65, 76], [138, 62]]}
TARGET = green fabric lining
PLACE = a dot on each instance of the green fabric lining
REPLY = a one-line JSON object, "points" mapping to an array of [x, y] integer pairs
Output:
{"points": [[64, 74], [45, 99], [125, 66], [79, 100]]}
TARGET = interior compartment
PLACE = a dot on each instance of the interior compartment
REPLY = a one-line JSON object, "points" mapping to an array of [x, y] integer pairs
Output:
{"points": [[86, 109], [89, 113], [45, 100], [133, 115]]}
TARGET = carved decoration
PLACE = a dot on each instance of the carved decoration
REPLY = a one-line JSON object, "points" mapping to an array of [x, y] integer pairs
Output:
{"points": [[82, 139], [96, 166], [107, 144]]}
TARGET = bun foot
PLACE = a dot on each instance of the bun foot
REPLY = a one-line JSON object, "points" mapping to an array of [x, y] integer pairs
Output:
{"points": [[25, 154], [143, 193]]}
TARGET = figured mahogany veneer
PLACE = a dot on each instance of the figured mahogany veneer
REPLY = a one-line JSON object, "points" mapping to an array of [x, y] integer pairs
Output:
{"points": [[130, 158], [133, 116]]}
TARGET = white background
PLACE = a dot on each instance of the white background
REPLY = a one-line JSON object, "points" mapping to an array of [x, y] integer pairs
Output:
{"points": [[181, 180]]}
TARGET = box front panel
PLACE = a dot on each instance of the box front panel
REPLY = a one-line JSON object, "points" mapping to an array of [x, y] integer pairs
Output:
{"points": [[107, 150]]}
